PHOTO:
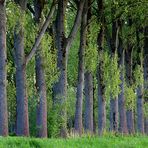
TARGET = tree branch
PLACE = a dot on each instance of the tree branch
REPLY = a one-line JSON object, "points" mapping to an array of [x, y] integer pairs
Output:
{"points": [[76, 23], [41, 33]]}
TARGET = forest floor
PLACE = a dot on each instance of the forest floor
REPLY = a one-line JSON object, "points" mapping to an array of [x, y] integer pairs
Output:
{"points": [[84, 142]]}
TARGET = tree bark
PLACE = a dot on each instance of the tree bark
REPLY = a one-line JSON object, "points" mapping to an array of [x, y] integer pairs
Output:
{"points": [[101, 89], [121, 97], [3, 72], [41, 93], [22, 125], [80, 86], [129, 79], [140, 114], [114, 46], [63, 44], [101, 86], [21, 94], [140, 90], [130, 121], [60, 88], [146, 71], [114, 115], [88, 102], [40, 81]]}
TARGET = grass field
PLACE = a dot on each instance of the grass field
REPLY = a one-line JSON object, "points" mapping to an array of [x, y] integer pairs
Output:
{"points": [[84, 142]]}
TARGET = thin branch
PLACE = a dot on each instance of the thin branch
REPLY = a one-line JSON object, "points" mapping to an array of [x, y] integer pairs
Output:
{"points": [[76, 23], [41, 33]]}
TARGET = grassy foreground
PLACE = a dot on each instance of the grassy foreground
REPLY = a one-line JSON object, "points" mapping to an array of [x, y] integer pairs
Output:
{"points": [[84, 142]]}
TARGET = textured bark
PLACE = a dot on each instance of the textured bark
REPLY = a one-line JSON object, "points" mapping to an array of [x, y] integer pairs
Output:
{"points": [[42, 30], [63, 44], [88, 102], [146, 57], [3, 73], [22, 125], [140, 91], [129, 79], [114, 46], [140, 114], [114, 114], [42, 104], [80, 86], [101, 108], [40, 81], [94, 112], [130, 121], [101, 90], [101, 86], [60, 88], [121, 97], [146, 71]]}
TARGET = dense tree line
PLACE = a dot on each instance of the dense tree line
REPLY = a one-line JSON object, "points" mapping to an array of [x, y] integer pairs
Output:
{"points": [[73, 67]]}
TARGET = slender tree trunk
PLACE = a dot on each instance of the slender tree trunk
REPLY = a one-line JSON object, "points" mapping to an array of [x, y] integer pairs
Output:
{"points": [[101, 86], [101, 101], [101, 107], [80, 86], [140, 90], [121, 97], [129, 80], [114, 47], [94, 120], [3, 72], [114, 114], [140, 114], [130, 121], [146, 71], [60, 88], [40, 81], [22, 123], [42, 104], [21, 94], [88, 102], [63, 44]]}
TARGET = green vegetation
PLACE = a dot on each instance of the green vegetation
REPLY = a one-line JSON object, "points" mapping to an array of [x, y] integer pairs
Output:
{"points": [[85, 142]]}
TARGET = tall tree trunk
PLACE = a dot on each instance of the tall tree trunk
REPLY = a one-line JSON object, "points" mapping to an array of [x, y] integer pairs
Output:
{"points": [[129, 79], [114, 114], [21, 94], [22, 124], [88, 102], [40, 82], [42, 104], [146, 72], [121, 97], [80, 86], [94, 120], [140, 114], [140, 88], [60, 88], [114, 47], [63, 44], [101, 106], [3, 72], [101, 86], [130, 121]]}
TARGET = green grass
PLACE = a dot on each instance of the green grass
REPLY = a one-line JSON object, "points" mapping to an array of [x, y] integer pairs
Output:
{"points": [[84, 142]]}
